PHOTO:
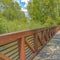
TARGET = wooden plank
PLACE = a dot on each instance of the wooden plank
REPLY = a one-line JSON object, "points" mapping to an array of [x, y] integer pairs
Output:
{"points": [[3, 57], [29, 45], [36, 42], [22, 53], [9, 37]]}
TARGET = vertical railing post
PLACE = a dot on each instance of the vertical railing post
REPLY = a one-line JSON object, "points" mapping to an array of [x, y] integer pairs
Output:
{"points": [[46, 37], [47, 34], [50, 32], [22, 49], [42, 38], [53, 30], [35, 42]]}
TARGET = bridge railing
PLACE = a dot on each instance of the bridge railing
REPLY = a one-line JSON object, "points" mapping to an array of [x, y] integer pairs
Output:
{"points": [[24, 45]]}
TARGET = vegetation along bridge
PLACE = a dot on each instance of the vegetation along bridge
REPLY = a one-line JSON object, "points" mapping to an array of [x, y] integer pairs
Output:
{"points": [[25, 45]]}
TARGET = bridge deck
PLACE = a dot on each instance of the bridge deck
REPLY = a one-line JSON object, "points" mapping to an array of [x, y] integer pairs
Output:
{"points": [[51, 51]]}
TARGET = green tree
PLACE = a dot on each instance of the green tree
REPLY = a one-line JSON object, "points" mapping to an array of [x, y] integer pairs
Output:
{"points": [[40, 10], [11, 16], [12, 10]]}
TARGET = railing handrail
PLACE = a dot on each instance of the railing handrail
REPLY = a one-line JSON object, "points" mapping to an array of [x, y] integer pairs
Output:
{"points": [[27, 30], [20, 35]]}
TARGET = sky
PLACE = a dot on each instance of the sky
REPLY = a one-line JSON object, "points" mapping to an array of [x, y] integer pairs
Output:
{"points": [[26, 1], [23, 4]]}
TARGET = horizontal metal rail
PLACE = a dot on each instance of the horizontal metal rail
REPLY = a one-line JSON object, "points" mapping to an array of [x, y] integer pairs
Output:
{"points": [[24, 45]]}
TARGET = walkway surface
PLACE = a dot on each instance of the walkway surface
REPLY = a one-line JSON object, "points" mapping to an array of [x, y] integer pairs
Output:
{"points": [[51, 51]]}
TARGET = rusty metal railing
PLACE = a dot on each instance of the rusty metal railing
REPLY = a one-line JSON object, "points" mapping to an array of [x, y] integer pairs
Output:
{"points": [[24, 45]]}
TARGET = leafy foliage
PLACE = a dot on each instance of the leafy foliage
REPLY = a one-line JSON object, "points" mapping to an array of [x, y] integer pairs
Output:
{"points": [[45, 11], [41, 12], [12, 10], [11, 16]]}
